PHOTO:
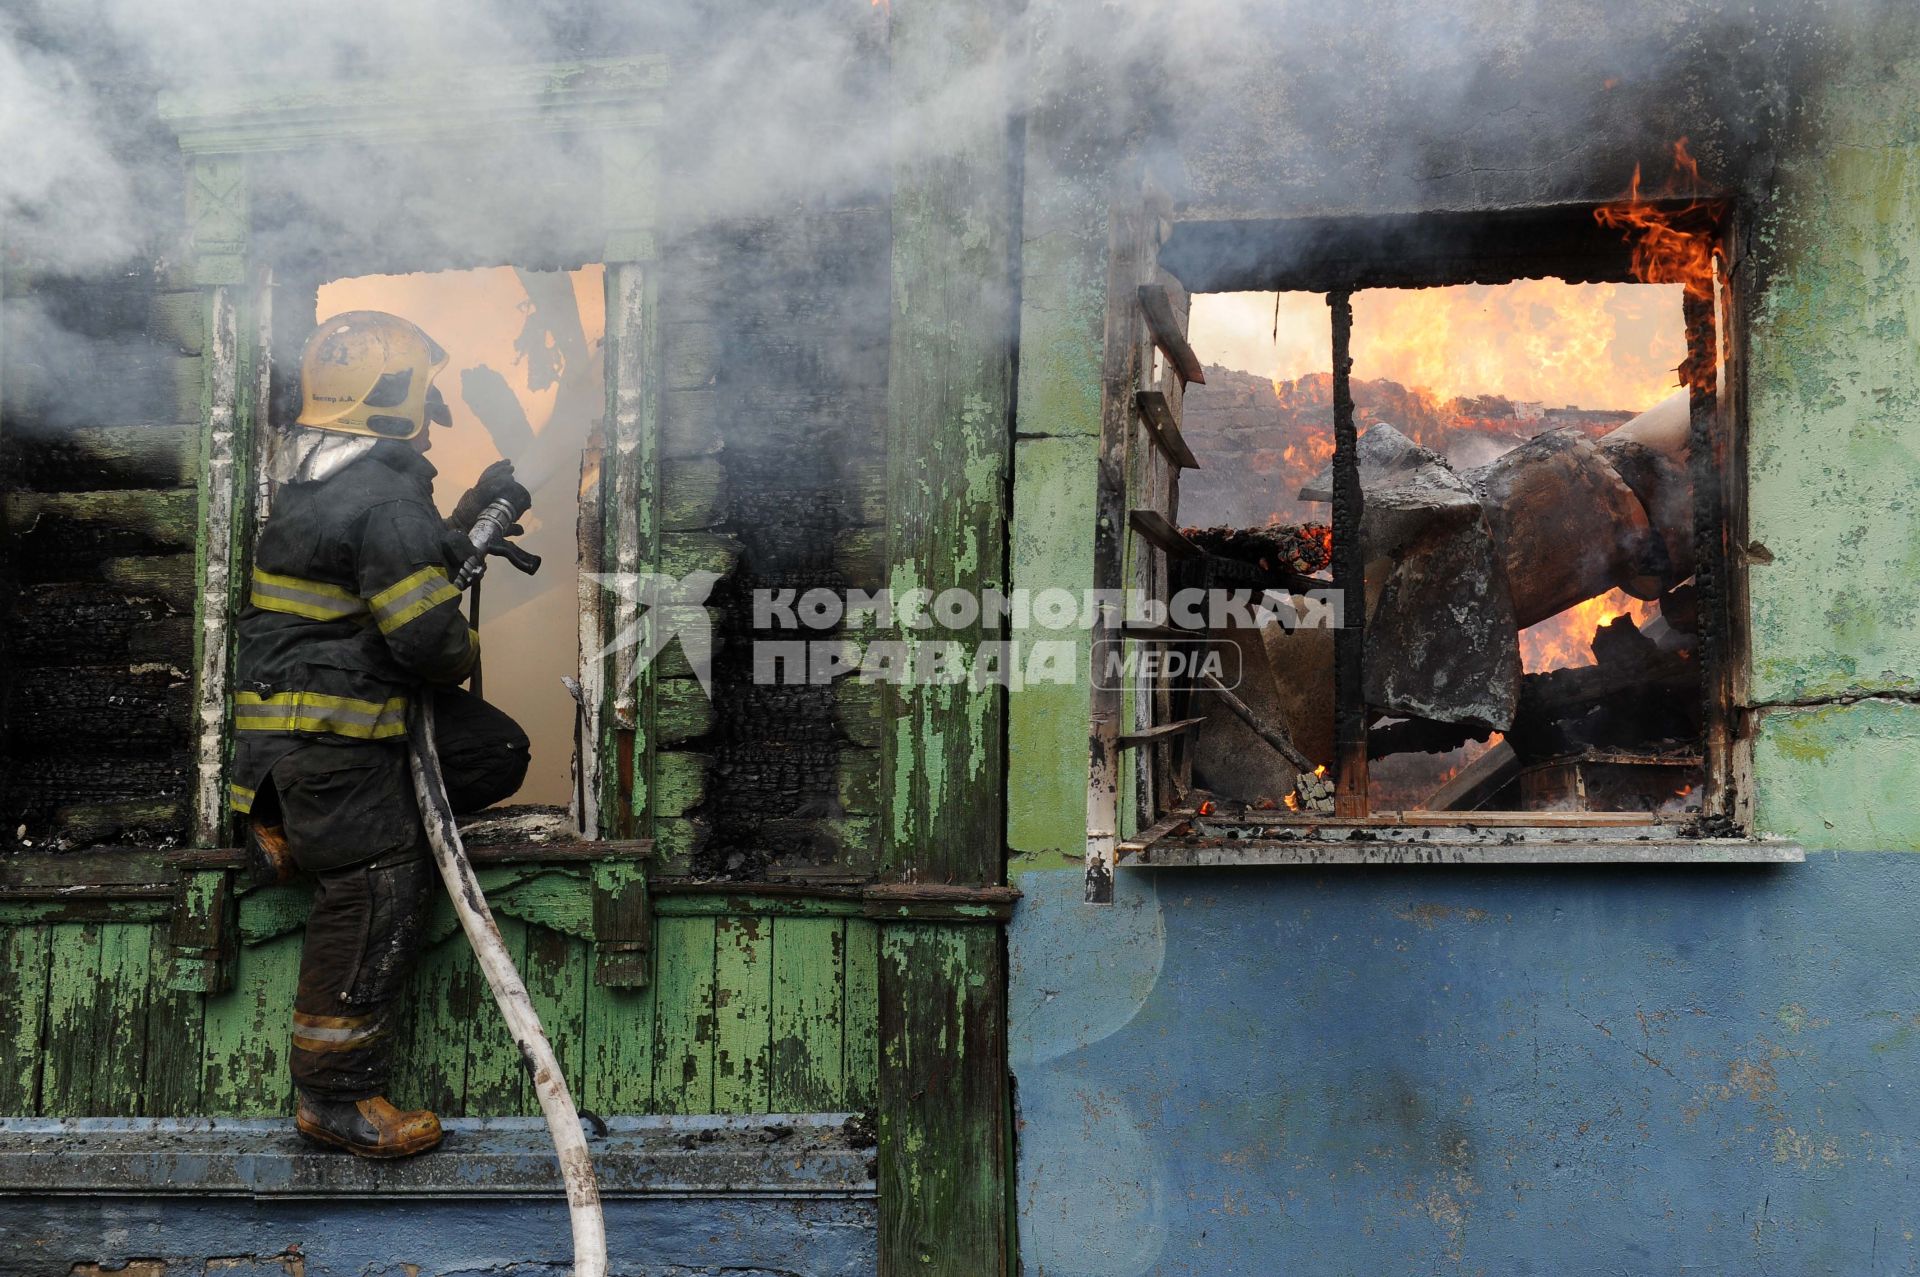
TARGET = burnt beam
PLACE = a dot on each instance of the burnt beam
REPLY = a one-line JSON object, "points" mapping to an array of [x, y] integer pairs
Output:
{"points": [[1317, 254], [1349, 641]]}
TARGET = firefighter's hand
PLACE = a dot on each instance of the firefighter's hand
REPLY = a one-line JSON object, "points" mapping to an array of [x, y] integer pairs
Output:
{"points": [[457, 549], [496, 481]]}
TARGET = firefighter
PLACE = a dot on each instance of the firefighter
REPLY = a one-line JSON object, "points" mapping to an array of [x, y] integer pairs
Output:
{"points": [[351, 613]]}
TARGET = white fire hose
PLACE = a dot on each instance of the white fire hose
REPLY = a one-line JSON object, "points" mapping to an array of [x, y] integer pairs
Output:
{"points": [[563, 1120]]}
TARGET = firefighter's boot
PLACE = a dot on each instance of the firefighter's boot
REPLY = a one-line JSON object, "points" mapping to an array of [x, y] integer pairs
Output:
{"points": [[367, 1128]]}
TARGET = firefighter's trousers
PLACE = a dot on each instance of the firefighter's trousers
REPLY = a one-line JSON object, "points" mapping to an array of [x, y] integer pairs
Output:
{"points": [[352, 820]]}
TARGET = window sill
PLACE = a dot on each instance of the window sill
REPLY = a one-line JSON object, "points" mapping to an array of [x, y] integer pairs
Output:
{"points": [[1186, 841], [1445, 851], [812, 1155]]}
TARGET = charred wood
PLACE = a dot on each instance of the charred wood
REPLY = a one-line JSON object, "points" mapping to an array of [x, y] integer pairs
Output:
{"points": [[1566, 525], [1306, 548], [96, 625], [91, 458], [72, 536], [38, 788], [84, 710], [1268, 732]]}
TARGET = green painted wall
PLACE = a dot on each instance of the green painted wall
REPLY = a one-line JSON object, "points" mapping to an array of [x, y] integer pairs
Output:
{"points": [[748, 1012], [1833, 289], [1062, 300], [1834, 468]]}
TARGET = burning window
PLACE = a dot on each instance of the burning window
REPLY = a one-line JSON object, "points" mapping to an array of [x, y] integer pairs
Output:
{"points": [[524, 381], [1544, 390], [1499, 449]]}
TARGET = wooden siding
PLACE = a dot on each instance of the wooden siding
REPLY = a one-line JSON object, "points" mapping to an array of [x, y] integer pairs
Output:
{"points": [[98, 458], [770, 1009]]}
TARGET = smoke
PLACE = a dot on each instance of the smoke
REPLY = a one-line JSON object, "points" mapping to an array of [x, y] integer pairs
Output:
{"points": [[784, 100], [1270, 105], [59, 163], [791, 97]]}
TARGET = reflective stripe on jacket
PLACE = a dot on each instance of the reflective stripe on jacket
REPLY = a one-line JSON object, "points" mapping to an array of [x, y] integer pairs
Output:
{"points": [[349, 610]]}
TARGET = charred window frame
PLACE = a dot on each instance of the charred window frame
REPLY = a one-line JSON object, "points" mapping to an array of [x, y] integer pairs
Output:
{"points": [[1156, 263], [232, 139]]}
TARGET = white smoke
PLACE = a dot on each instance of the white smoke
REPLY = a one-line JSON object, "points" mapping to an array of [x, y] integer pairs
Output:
{"points": [[1303, 105]]}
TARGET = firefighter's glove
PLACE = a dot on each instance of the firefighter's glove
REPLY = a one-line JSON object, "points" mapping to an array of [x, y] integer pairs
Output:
{"points": [[496, 481], [457, 549]]}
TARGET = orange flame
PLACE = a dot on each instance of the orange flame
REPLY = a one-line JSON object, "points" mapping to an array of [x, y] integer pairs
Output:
{"points": [[1663, 253], [1533, 339], [1293, 802], [1565, 640]]}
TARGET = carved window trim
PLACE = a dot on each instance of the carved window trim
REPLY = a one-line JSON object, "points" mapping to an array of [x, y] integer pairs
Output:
{"points": [[619, 105]]}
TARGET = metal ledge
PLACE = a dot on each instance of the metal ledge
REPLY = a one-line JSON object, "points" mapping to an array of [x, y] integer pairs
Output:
{"points": [[813, 1155], [1241, 853]]}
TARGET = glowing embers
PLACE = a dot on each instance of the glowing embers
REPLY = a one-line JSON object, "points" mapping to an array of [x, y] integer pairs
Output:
{"points": [[525, 381]]}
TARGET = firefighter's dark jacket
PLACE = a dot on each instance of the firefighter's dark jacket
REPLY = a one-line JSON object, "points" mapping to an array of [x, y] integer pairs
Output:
{"points": [[349, 611]]}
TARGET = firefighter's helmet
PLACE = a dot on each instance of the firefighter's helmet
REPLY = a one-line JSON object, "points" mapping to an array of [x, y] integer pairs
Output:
{"points": [[366, 372]]}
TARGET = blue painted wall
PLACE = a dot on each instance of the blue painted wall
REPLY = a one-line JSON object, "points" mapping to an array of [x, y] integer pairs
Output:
{"points": [[1557, 1071]]}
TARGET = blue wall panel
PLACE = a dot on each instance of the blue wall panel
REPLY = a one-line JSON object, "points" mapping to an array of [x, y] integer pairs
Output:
{"points": [[1554, 1071]]}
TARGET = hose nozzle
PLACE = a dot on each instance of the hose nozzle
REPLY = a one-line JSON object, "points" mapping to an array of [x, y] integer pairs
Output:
{"points": [[489, 536]]}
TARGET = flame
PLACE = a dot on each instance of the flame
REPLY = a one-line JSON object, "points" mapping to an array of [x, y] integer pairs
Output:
{"points": [[1564, 641], [1534, 340], [1683, 791], [1321, 770], [1293, 802], [1539, 341], [1206, 809], [1467, 371], [1663, 253]]}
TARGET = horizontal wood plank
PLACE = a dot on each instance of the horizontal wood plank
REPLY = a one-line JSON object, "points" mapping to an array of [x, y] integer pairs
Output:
{"points": [[1165, 327], [1159, 530], [1159, 731], [1158, 414], [1177, 853]]}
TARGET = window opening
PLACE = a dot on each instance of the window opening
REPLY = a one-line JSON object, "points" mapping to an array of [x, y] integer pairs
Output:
{"points": [[1467, 375], [525, 380]]}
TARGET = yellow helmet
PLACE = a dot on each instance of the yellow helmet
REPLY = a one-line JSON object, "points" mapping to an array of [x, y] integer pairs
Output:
{"points": [[366, 372]]}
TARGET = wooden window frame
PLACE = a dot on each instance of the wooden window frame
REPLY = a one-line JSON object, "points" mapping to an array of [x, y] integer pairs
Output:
{"points": [[614, 105]]}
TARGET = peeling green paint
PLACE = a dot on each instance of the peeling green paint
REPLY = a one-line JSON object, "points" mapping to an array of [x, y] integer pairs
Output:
{"points": [[1840, 776], [1053, 513], [1834, 393], [1062, 313], [762, 1007]]}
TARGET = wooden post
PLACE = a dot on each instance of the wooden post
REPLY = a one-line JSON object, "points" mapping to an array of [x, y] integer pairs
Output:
{"points": [[1120, 351], [943, 1082], [224, 540], [1349, 566], [1736, 656], [631, 485], [219, 214], [1711, 455]]}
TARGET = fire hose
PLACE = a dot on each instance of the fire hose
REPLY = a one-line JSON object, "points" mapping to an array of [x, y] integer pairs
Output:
{"points": [[476, 919]]}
